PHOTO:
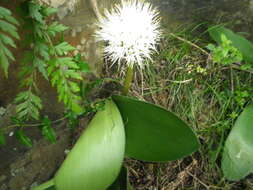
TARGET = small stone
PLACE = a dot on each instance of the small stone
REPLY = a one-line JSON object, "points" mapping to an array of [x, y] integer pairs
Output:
{"points": [[79, 29], [13, 173], [79, 47], [62, 12], [76, 52], [66, 151], [73, 33], [2, 111], [35, 184], [3, 187], [11, 134], [83, 41], [2, 178]]}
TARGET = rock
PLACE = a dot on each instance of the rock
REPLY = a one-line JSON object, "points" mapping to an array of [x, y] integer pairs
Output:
{"points": [[2, 178], [2, 111], [24, 168], [64, 6], [3, 187]]}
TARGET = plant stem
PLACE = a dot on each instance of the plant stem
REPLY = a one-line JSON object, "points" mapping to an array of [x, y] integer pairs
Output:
{"points": [[128, 80], [45, 185], [190, 43], [32, 125]]}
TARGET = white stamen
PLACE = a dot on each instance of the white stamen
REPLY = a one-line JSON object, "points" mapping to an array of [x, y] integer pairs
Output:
{"points": [[131, 30]]}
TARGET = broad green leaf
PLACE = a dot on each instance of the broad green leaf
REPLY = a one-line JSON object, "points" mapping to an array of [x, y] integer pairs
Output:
{"points": [[153, 133], [95, 161], [51, 188], [239, 42], [122, 181], [237, 159], [23, 139]]}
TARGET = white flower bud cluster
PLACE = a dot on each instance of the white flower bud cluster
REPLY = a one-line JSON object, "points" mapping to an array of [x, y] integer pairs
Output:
{"points": [[132, 30]]}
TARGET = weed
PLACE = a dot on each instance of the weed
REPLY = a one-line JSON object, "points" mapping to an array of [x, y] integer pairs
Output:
{"points": [[207, 95]]}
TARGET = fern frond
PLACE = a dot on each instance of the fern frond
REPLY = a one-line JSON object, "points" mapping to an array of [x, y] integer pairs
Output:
{"points": [[7, 26], [28, 105], [67, 88]]}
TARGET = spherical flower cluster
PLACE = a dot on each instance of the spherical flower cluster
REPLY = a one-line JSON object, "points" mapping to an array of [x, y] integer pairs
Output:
{"points": [[131, 30]]}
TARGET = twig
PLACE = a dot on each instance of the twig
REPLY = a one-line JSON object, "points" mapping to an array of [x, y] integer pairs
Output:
{"points": [[205, 52], [202, 183], [232, 80], [238, 68], [31, 125], [190, 43], [96, 9]]}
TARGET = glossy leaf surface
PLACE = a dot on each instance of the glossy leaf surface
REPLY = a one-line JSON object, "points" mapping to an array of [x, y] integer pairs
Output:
{"points": [[153, 133], [237, 161], [95, 161]]}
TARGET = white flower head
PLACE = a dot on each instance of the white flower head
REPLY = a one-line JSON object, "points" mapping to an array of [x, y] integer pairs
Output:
{"points": [[132, 30]]}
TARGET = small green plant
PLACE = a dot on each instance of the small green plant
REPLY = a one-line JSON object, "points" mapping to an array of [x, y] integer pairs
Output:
{"points": [[225, 53], [233, 44], [237, 152], [241, 97]]}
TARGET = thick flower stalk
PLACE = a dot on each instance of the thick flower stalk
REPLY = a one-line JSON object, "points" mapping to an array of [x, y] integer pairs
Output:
{"points": [[131, 30]]}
